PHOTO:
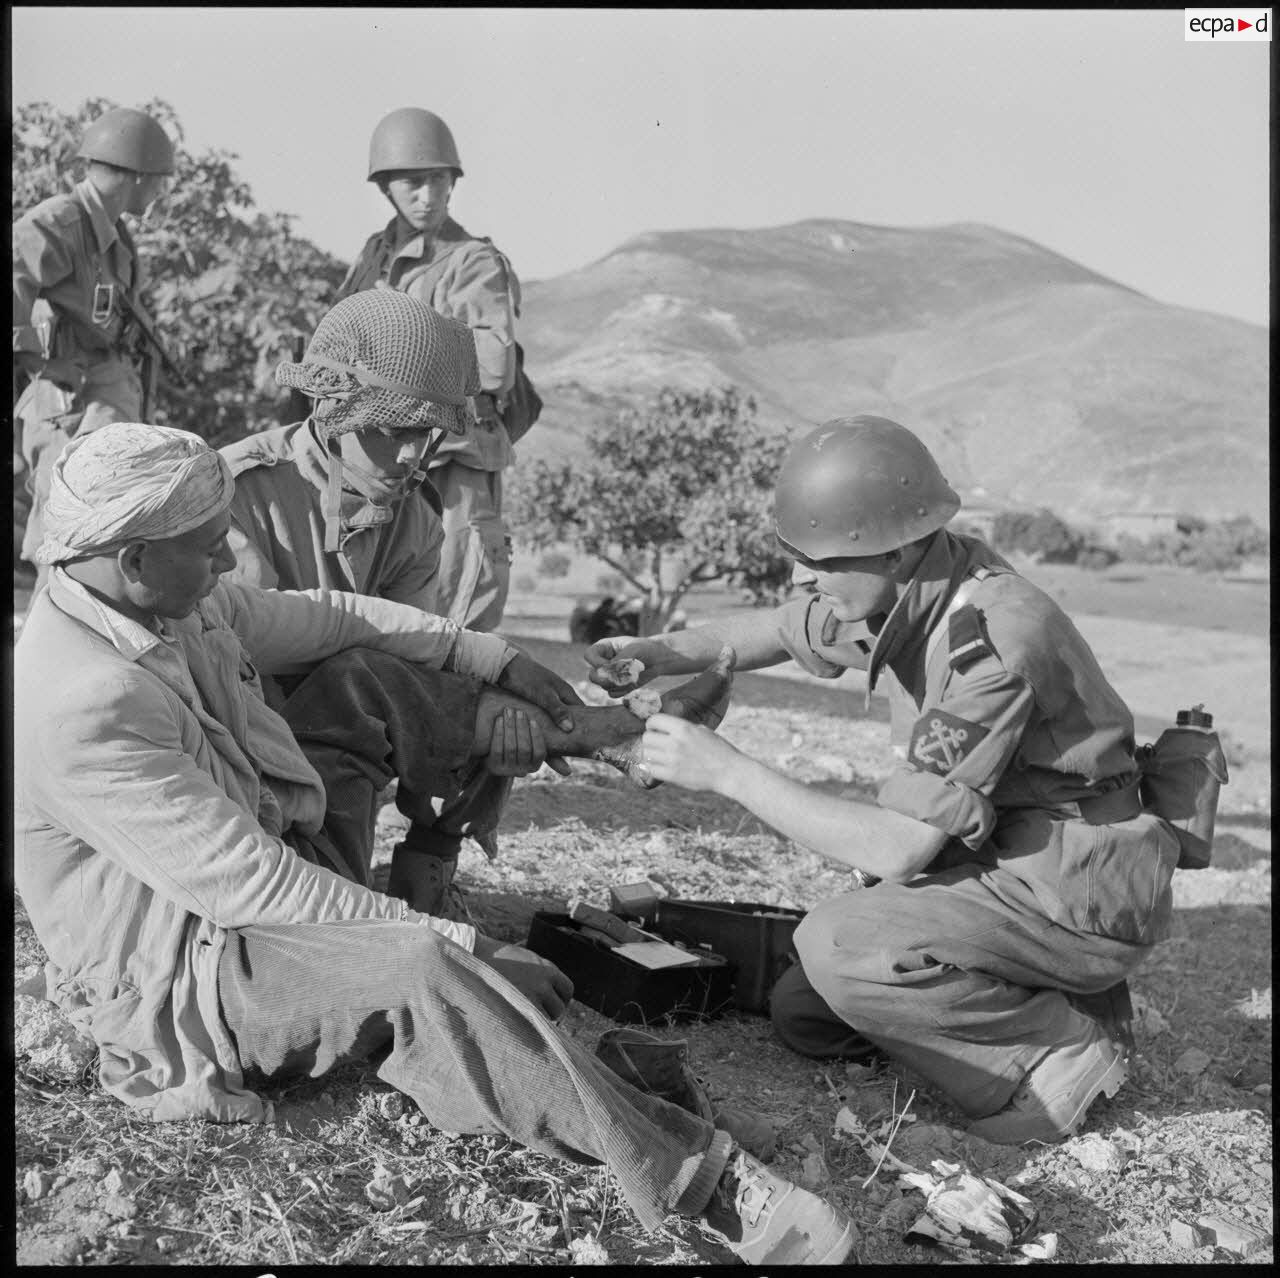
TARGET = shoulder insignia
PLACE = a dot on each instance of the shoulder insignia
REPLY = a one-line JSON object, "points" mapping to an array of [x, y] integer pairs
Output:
{"points": [[940, 741], [967, 641]]}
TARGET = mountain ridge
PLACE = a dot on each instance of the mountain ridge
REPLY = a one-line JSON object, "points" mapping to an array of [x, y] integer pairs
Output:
{"points": [[1035, 379]]}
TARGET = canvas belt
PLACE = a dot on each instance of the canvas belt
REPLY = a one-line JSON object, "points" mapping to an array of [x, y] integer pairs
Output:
{"points": [[1121, 804]]}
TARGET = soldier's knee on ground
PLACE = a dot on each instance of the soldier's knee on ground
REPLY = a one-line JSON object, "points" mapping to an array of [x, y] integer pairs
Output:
{"points": [[805, 1022]]}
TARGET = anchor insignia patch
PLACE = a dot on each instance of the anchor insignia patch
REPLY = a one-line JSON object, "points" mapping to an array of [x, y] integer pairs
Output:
{"points": [[939, 741]]}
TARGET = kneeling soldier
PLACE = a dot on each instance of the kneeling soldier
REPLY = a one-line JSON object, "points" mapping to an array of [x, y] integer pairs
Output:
{"points": [[1016, 878]]}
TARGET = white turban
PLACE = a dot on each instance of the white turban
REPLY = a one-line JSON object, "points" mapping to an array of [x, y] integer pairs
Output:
{"points": [[129, 481]]}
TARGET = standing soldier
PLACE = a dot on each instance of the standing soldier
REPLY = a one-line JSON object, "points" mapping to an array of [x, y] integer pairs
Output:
{"points": [[422, 251], [76, 313]]}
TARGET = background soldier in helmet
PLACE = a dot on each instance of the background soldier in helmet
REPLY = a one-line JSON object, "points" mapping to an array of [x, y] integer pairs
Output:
{"points": [[422, 251], [339, 502], [1014, 879], [76, 278]]}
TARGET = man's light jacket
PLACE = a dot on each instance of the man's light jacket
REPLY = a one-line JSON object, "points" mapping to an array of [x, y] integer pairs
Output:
{"points": [[152, 784]]}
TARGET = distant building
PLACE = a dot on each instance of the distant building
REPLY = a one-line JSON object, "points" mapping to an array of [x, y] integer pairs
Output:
{"points": [[976, 519], [1141, 525]]}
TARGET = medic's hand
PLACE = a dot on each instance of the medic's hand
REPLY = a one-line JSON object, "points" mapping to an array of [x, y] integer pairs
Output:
{"points": [[540, 981], [686, 754], [534, 682], [608, 660]]}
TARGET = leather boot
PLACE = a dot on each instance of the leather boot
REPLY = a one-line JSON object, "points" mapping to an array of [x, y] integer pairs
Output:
{"points": [[702, 700], [661, 1069], [425, 880], [1112, 1008]]}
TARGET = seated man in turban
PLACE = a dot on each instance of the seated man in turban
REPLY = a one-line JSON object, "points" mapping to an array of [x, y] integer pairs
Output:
{"points": [[187, 855], [342, 501]]}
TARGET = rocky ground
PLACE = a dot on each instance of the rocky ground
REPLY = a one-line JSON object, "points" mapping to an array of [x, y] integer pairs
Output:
{"points": [[1177, 1168]]}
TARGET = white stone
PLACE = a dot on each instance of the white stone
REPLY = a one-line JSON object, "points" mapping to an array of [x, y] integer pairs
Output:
{"points": [[54, 1046]]}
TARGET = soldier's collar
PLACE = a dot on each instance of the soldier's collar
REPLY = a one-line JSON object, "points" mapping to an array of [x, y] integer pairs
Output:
{"points": [[902, 639], [105, 232], [442, 243]]}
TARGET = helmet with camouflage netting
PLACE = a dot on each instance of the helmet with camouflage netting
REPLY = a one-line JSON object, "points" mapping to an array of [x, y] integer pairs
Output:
{"points": [[381, 358]]}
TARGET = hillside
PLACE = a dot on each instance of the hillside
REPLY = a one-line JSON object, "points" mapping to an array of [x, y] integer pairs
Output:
{"points": [[1035, 379]]}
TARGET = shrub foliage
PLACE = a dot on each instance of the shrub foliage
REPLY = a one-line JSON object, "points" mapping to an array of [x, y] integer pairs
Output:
{"points": [[674, 494], [1197, 543]]}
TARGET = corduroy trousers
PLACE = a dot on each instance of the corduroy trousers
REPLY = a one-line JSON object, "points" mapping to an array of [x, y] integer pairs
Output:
{"points": [[454, 1035]]}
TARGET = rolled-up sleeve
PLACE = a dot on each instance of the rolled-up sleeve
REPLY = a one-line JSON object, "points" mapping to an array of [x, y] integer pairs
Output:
{"points": [[959, 749]]}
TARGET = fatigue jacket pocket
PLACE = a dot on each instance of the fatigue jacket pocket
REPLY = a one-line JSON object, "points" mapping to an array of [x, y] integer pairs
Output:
{"points": [[1116, 880]]}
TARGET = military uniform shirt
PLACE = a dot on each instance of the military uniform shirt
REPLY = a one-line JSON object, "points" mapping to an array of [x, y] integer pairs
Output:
{"points": [[59, 249], [1019, 749]]}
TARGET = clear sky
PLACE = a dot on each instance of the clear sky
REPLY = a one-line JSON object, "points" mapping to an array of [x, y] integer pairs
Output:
{"points": [[1100, 134]]}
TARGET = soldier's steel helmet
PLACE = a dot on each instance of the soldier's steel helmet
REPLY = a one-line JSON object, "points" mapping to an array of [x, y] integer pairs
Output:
{"points": [[412, 138], [859, 486], [128, 139]]}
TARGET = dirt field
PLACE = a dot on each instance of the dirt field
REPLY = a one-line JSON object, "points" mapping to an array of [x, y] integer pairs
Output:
{"points": [[345, 1174]]}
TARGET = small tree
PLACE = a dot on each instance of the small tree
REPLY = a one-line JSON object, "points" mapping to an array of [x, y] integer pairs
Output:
{"points": [[674, 495], [227, 284], [1220, 546], [1040, 533]]}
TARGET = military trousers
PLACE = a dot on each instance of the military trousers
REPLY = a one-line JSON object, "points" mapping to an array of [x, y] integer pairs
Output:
{"points": [[475, 558], [463, 1043], [365, 718], [960, 975]]}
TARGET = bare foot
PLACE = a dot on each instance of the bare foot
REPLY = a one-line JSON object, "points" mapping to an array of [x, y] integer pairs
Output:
{"points": [[703, 700]]}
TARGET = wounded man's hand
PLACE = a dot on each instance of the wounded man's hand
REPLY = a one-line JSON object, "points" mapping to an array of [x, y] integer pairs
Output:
{"points": [[539, 980], [527, 678], [516, 744]]}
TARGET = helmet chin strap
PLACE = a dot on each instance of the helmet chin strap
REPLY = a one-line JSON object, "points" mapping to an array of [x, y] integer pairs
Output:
{"points": [[372, 512]]}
